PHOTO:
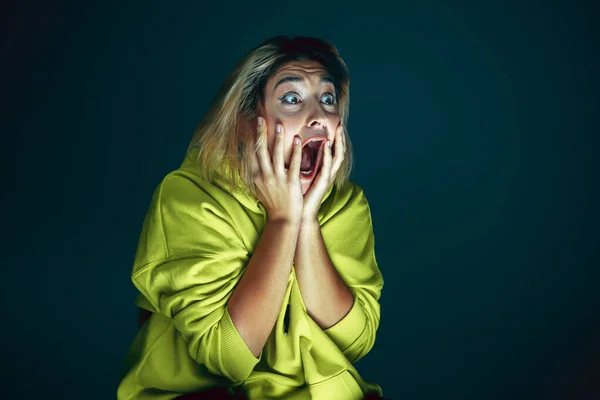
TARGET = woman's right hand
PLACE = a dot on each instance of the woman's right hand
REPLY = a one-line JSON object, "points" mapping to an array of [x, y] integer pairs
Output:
{"points": [[278, 189]]}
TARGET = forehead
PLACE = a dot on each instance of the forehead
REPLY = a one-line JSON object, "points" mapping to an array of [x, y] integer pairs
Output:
{"points": [[308, 69]]}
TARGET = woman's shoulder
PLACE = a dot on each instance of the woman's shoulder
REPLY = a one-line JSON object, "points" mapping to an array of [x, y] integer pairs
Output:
{"points": [[183, 184], [188, 211], [345, 202], [184, 193], [349, 193]]}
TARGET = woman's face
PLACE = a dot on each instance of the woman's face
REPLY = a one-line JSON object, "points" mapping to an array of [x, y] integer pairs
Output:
{"points": [[300, 96]]}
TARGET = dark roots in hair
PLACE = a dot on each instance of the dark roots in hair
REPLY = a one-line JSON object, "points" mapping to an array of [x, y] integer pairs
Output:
{"points": [[295, 48]]}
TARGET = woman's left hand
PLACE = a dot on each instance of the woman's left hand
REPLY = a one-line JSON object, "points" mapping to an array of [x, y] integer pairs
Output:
{"points": [[325, 177]]}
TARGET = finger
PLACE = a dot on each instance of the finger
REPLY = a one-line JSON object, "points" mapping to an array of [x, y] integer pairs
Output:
{"points": [[278, 151], [327, 160], [339, 150], [294, 171], [322, 180], [261, 148]]}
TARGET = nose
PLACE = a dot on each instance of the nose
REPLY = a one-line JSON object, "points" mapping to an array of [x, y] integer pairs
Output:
{"points": [[316, 116], [317, 130]]}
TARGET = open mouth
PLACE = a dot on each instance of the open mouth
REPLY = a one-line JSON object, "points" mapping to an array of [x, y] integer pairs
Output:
{"points": [[312, 155]]}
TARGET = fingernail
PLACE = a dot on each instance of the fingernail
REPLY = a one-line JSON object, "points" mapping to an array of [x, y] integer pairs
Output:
{"points": [[278, 128], [296, 141], [260, 121]]}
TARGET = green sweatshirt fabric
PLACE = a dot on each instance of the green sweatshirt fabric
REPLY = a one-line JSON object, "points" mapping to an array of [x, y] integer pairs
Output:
{"points": [[196, 241]]}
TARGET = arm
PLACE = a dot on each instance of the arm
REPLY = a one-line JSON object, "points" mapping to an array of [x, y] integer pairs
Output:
{"points": [[256, 301], [194, 268], [340, 257], [325, 294]]}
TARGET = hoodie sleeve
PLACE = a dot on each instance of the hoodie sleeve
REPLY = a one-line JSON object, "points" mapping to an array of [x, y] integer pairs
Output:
{"points": [[189, 259], [348, 235]]}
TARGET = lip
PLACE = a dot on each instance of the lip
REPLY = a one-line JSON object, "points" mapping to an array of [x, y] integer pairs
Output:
{"points": [[315, 171]]}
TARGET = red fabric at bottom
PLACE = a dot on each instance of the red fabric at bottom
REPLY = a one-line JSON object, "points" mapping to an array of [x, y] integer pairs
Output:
{"points": [[217, 393], [221, 393], [373, 396]]}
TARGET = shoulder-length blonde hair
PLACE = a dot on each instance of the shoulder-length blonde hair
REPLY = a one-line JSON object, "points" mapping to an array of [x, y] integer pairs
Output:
{"points": [[226, 135]]}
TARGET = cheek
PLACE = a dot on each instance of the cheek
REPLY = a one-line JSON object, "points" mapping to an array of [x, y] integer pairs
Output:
{"points": [[288, 144], [334, 124], [336, 121], [288, 149]]}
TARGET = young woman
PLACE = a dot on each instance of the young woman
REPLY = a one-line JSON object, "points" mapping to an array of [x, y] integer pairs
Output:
{"points": [[256, 261]]}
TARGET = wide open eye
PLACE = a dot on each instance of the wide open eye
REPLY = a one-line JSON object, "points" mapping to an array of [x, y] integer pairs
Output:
{"points": [[330, 97], [293, 98], [290, 98]]}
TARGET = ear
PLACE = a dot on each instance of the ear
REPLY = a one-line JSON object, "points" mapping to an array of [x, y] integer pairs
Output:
{"points": [[246, 132], [250, 127], [260, 110], [250, 133]]}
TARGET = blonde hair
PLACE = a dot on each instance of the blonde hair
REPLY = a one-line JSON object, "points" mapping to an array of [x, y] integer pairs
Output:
{"points": [[226, 134]]}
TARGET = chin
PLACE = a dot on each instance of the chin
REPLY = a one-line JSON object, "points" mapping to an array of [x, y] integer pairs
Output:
{"points": [[305, 187]]}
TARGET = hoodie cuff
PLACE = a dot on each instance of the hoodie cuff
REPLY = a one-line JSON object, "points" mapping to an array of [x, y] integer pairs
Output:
{"points": [[348, 329], [238, 360]]}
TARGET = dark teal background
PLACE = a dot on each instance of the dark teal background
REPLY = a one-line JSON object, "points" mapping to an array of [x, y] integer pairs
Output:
{"points": [[474, 126]]}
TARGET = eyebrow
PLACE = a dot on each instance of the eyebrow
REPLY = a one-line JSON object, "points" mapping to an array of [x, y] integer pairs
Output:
{"points": [[324, 79]]}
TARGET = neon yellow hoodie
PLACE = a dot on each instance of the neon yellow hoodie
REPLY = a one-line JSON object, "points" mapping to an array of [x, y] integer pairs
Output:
{"points": [[196, 240]]}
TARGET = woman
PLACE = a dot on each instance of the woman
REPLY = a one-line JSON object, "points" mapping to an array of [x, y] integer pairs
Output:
{"points": [[256, 260]]}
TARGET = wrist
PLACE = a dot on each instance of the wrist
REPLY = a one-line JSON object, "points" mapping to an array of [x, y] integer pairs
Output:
{"points": [[287, 221], [309, 220]]}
